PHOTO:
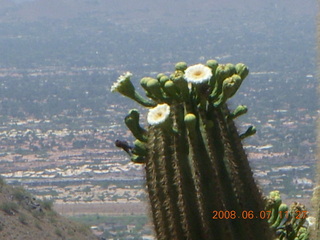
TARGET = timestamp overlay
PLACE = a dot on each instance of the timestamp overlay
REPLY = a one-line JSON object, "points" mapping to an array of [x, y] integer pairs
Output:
{"points": [[265, 214]]}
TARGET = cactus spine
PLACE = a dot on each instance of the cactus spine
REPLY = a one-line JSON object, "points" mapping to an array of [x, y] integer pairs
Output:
{"points": [[194, 160]]}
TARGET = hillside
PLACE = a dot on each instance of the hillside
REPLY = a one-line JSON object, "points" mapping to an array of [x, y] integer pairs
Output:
{"points": [[24, 217]]}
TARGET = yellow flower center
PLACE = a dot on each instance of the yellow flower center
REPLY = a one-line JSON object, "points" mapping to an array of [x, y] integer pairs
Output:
{"points": [[198, 73], [159, 115]]}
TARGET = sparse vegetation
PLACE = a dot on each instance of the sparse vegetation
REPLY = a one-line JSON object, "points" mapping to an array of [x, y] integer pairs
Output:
{"points": [[58, 232], [9, 208], [23, 218], [20, 194], [38, 225], [47, 204]]}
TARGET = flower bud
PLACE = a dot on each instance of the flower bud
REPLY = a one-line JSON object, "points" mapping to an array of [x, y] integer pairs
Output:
{"points": [[242, 70], [213, 64], [160, 75], [190, 120], [222, 72], [181, 66], [163, 80], [229, 88], [170, 89]]}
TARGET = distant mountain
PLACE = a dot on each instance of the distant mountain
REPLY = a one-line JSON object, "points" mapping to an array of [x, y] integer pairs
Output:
{"points": [[23, 217]]}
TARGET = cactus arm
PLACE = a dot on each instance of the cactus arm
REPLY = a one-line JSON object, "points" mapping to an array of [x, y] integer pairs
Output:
{"points": [[139, 148], [282, 208], [275, 207], [250, 131], [138, 159], [132, 122], [240, 110]]}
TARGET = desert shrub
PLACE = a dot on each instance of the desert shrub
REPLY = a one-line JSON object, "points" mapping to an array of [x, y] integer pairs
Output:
{"points": [[38, 225], [37, 214], [9, 207], [47, 204], [20, 194], [58, 232], [23, 219]]}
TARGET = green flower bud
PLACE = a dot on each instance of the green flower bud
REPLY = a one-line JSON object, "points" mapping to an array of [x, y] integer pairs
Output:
{"points": [[231, 69], [163, 80], [250, 131], [240, 110], [139, 148], [160, 75], [229, 88], [170, 89], [181, 83], [181, 66], [222, 72], [190, 120], [132, 122], [242, 70], [144, 81], [274, 194], [213, 64], [153, 87]]}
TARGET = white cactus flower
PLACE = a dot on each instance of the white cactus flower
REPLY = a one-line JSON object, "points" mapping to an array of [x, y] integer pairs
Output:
{"points": [[197, 74], [158, 114]]}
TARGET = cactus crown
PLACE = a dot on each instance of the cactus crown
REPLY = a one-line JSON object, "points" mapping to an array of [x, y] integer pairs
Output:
{"points": [[194, 160]]}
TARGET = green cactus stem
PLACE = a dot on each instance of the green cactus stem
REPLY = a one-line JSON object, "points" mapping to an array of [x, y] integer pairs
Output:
{"points": [[132, 122], [195, 163]]}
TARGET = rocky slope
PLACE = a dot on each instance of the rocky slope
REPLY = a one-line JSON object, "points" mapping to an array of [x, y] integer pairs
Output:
{"points": [[24, 217]]}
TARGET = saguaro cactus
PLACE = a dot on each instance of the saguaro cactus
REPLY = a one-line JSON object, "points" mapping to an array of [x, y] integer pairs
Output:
{"points": [[198, 176], [289, 222]]}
